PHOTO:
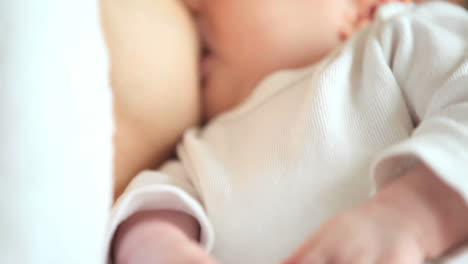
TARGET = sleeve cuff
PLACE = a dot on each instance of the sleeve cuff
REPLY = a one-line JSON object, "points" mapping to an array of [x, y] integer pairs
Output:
{"points": [[445, 155], [141, 197]]}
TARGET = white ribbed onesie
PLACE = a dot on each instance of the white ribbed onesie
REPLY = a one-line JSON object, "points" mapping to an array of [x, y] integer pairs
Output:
{"points": [[310, 143]]}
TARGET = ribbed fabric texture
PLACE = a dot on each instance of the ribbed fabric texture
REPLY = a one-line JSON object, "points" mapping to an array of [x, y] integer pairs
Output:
{"points": [[311, 143]]}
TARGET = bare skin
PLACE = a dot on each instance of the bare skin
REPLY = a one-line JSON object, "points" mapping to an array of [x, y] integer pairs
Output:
{"points": [[156, 97], [156, 93], [159, 237], [404, 224]]}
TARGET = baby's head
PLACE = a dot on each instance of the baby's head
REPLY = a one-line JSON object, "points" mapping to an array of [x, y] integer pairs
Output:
{"points": [[245, 40]]}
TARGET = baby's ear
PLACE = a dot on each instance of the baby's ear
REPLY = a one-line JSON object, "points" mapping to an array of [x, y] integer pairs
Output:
{"points": [[356, 16], [360, 14], [348, 26]]}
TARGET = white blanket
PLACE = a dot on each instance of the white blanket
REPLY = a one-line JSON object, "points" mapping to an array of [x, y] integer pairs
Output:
{"points": [[55, 133]]}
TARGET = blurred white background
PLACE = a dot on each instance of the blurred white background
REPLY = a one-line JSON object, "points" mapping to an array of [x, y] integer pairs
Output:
{"points": [[55, 133]]}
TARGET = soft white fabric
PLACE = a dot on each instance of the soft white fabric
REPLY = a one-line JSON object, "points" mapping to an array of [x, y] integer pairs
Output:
{"points": [[313, 142], [172, 192], [55, 133]]}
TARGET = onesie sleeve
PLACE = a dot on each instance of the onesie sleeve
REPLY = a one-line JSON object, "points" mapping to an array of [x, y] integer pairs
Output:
{"points": [[427, 50], [168, 188]]}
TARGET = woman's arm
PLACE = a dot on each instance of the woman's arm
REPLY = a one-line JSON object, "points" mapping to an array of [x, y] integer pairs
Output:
{"points": [[153, 50]]}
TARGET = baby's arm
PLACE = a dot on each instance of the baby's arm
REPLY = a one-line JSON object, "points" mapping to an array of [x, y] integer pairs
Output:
{"points": [[418, 213], [153, 50], [160, 217], [437, 212], [415, 218], [161, 236]]}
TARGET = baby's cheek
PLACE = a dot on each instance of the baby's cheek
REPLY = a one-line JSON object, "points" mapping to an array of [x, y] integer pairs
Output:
{"points": [[215, 99], [222, 91]]}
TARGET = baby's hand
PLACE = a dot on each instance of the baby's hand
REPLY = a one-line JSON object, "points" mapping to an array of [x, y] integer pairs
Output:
{"points": [[415, 218], [142, 240], [372, 234]]}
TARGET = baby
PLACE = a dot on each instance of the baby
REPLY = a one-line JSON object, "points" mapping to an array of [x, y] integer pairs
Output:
{"points": [[305, 120]]}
